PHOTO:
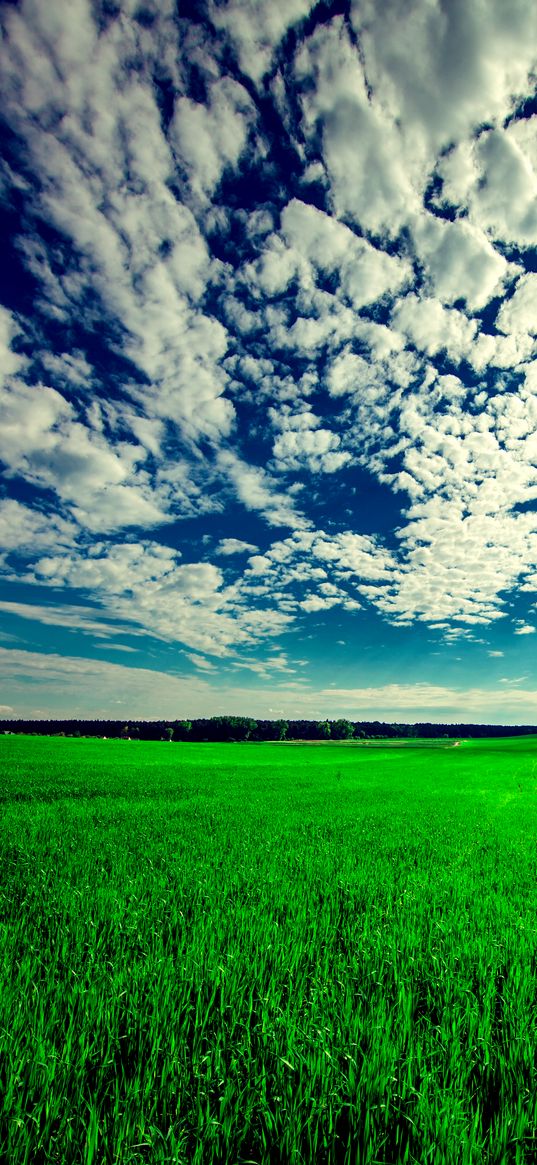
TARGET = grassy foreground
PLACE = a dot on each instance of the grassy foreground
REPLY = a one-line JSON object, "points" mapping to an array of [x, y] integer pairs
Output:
{"points": [[222, 954]]}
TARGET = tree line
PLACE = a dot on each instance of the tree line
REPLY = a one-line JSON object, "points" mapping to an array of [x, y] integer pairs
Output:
{"points": [[242, 728]]}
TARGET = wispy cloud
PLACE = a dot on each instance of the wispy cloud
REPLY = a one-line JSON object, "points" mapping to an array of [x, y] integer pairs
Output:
{"points": [[200, 662], [88, 620], [46, 685]]}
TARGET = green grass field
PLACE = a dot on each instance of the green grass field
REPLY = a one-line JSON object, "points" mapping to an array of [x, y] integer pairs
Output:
{"points": [[221, 954]]}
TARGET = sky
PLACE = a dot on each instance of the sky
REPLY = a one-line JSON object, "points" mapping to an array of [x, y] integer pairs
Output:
{"points": [[268, 377]]}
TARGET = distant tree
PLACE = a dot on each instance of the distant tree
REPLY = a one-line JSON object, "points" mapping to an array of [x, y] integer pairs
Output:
{"points": [[241, 727], [270, 730], [324, 731], [183, 729], [281, 728], [342, 730], [230, 728], [169, 733]]}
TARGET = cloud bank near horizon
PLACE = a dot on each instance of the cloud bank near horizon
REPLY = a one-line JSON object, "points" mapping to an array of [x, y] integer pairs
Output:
{"points": [[56, 686]]}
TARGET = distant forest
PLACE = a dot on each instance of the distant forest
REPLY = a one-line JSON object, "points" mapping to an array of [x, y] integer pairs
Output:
{"points": [[236, 728]]}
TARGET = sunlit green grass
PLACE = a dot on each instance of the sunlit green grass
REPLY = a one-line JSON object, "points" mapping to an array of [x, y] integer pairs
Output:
{"points": [[220, 954]]}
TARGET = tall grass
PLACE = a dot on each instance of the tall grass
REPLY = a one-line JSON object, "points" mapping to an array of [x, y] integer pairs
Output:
{"points": [[232, 954]]}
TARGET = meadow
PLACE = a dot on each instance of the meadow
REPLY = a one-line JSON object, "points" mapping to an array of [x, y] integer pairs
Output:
{"points": [[228, 954]]}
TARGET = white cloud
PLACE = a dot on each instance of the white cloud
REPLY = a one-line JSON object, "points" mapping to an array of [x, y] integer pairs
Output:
{"points": [[314, 603], [229, 546], [444, 71], [314, 571], [42, 439], [460, 262], [149, 432], [327, 323], [120, 506], [434, 328], [289, 419], [519, 313], [366, 274], [495, 179], [28, 531], [350, 373], [10, 361], [360, 554], [118, 568], [314, 449], [257, 491], [256, 28], [29, 418], [362, 151], [275, 269], [69, 369], [457, 567], [144, 585], [259, 564], [138, 251], [211, 137], [525, 629]]}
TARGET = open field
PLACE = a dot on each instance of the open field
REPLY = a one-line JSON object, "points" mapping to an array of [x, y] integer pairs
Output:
{"points": [[221, 954]]}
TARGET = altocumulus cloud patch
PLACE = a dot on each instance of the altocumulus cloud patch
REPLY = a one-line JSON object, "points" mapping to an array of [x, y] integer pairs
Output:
{"points": [[267, 337]]}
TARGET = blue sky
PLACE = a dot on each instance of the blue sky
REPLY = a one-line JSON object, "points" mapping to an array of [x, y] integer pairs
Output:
{"points": [[268, 318]]}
